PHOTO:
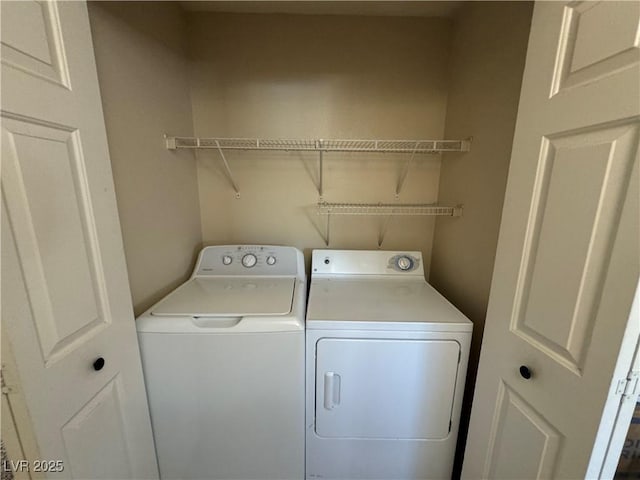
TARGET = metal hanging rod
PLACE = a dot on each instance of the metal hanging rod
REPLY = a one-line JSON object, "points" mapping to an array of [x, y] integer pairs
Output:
{"points": [[383, 209], [320, 145]]}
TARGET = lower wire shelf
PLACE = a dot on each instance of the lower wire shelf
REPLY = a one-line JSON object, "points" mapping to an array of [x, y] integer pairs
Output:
{"points": [[387, 210], [414, 209]]}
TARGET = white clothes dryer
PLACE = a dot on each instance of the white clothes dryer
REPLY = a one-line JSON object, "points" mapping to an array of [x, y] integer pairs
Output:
{"points": [[386, 364], [223, 360]]}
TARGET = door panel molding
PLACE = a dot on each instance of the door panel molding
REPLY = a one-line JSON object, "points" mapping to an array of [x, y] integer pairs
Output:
{"points": [[594, 221], [81, 430], [511, 407], [32, 42], [66, 313], [584, 55]]}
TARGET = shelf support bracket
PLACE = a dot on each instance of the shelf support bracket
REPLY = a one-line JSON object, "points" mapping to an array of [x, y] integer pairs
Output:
{"points": [[405, 172], [320, 179], [226, 167], [321, 171], [328, 228], [383, 230], [170, 142]]}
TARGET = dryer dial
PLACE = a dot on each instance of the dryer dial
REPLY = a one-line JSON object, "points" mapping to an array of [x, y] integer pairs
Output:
{"points": [[404, 263], [249, 260], [271, 260], [227, 259]]}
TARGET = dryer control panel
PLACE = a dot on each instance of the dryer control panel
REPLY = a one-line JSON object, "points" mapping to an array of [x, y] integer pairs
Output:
{"points": [[249, 260], [366, 262]]}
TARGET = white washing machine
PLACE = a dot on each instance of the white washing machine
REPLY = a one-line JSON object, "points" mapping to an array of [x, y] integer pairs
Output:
{"points": [[223, 360], [386, 365]]}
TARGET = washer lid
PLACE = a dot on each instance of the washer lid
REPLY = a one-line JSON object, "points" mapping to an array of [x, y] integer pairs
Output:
{"points": [[229, 296], [413, 303]]}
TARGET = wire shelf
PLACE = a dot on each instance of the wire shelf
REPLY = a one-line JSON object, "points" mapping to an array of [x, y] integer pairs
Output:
{"points": [[319, 145], [388, 209]]}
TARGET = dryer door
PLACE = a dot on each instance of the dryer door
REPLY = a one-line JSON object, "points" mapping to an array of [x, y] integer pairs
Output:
{"points": [[374, 388]]}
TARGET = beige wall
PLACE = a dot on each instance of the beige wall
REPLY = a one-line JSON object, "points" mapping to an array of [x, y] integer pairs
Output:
{"points": [[290, 76], [487, 61], [142, 67]]}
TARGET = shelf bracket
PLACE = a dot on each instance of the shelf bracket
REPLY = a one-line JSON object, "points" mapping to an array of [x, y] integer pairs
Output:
{"points": [[327, 229], [320, 181], [170, 142], [226, 166], [320, 173], [383, 230], [405, 171]]}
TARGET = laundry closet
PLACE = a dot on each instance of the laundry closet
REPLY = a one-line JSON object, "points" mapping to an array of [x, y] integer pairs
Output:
{"points": [[323, 125], [435, 71]]}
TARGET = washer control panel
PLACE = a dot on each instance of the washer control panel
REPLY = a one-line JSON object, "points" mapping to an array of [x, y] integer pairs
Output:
{"points": [[363, 262], [248, 260]]}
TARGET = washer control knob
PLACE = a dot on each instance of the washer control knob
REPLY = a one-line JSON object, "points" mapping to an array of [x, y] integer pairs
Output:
{"points": [[271, 260], [404, 263], [227, 259], [249, 260]]}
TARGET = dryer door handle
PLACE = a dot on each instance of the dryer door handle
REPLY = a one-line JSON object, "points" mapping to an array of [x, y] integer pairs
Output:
{"points": [[331, 390]]}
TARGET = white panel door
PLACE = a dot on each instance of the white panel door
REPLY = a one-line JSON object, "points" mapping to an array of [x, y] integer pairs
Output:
{"points": [[567, 264], [66, 307], [376, 388]]}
